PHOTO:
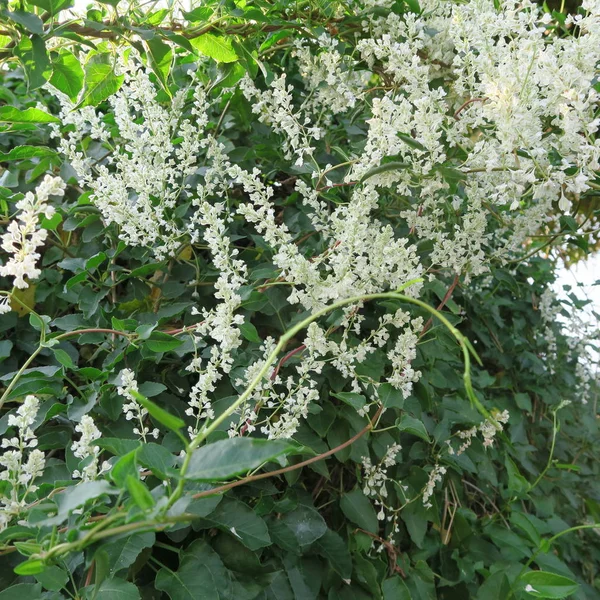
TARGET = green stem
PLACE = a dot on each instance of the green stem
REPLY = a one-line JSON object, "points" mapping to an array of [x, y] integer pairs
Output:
{"points": [[106, 533], [555, 428], [18, 374]]}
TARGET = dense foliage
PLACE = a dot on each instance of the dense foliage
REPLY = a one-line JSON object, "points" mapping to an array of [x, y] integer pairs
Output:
{"points": [[276, 312]]}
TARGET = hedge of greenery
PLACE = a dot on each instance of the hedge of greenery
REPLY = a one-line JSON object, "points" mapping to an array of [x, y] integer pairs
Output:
{"points": [[277, 318]]}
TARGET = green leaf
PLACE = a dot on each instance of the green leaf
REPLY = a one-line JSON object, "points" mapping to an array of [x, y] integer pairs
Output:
{"points": [[67, 74], [413, 5], [53, 578], [34, 58], [162, 416], [410, 141], [390, 397], [76, 496], [22, 591], [238, 519], [100, 567], [95, 261], [161, 342], [202, 507], [123, 468], [495, 587], [356, 401], [298, 528], [541, 584], [23, 152], [52, 6], [63, 358], [117, 589], [523, 522], [156, 458], [117, 446], [10, 114], [122, 553], [517, 484], [100, 80], [452, 176], [28, 548], [395, 589], [53, 222], [156, 18], [28, 20], [201, 13], [201, 576], [160, 56], [139, 492], [179, 40], [224, 459], [249, 332], [332, 547], [357, 507], [414, 427], [391, 166], [218, 47]]}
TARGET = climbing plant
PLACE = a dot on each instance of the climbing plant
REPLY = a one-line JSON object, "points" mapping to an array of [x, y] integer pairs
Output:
{"points": [[277, 308]]}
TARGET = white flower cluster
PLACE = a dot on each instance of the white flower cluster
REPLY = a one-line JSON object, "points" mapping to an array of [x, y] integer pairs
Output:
{"points": [[334, 81], [375, 476], [488, 428], [139, 183], [363, 257], [401, 357], [583, 342], [23, 236], [22, 462], [132, 409], [288, 398], [87, 451], [519, 103], [375, 479], [275, 108], [221, 323], [435, 476]]}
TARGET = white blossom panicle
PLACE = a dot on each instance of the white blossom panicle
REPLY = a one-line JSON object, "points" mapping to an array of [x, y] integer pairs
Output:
{"points": [[401, 357], [375, 476], [132, 409], [493, 425], [488, 428], [275, 108], [436, 475], [222, 323], [137, 185], [582, 341], [23, 236], [21, 461], [87, 451], [333, 81]]}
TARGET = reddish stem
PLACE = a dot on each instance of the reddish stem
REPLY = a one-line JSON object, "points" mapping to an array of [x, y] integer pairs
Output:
{"points": [[441, 305], [285, 358], [463, 106], [88, 578]]}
